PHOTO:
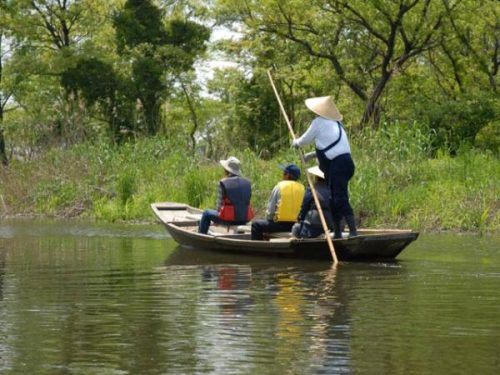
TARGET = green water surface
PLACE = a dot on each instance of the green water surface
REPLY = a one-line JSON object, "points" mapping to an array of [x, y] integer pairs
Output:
{"points": [[125, 299]]}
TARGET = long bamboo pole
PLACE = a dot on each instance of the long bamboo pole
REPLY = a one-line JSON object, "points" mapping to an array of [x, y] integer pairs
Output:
{"points": [[309, 180]]}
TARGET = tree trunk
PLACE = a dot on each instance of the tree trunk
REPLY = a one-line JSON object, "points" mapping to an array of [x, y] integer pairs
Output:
{"points": [[3, 153], [151, 113], [194, 118], [371, 115]]}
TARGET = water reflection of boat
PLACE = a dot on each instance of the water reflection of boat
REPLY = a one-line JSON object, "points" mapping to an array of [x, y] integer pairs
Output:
{"points": [[203, 257], [181, 221]]}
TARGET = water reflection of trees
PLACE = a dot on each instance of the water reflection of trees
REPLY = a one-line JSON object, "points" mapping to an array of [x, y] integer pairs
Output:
{"points": [[3, 255], [97, 305], [289, 315], [81, 305], [316, 321], [106, 301], [5, 357]]}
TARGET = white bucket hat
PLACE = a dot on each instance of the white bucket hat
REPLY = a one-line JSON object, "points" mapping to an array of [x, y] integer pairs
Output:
{"points": [[316, 172], [232, 165], [324, 106]]}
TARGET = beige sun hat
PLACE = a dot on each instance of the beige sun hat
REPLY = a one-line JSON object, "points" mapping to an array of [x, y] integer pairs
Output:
{"points": [[232, 165], [316, 172], [324, 106]]}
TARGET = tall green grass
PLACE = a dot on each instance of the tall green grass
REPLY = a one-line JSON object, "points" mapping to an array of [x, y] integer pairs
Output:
{"points": [[398, 182]]}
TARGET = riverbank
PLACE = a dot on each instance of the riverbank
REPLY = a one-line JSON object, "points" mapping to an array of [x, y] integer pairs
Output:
{"points": [[397, 183]]}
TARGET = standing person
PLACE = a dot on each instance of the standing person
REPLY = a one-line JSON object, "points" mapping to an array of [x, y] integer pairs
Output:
{"points": [[233, 198], [309, 225], [283, 205], [334, 156]]}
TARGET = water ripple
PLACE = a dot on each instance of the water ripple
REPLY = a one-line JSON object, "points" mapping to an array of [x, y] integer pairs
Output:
{"points": [[79, 303]]}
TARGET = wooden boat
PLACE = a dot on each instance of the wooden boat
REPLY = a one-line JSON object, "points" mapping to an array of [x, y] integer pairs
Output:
{"points": [[181, 221]]}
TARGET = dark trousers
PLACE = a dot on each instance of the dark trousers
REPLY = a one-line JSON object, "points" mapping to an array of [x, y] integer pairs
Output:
{"points": [[259, 227], [304, 230], [209, 216], [340, 172]]}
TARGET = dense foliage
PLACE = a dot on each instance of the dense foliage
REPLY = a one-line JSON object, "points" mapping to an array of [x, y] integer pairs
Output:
{"points": [[395, 184]]}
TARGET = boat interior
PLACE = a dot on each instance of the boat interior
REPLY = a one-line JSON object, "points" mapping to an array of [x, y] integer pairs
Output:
{"points": [[184, 216]]}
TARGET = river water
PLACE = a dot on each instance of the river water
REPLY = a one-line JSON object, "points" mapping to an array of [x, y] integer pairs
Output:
{"points": [[81, 298]]}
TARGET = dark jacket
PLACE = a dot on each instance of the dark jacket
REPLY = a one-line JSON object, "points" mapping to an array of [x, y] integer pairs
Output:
{"points": [[237, 192], [309, 213]]}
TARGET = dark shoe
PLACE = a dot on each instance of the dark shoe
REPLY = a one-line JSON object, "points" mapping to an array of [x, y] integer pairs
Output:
{"points": [[351, 223], [337, 230]]}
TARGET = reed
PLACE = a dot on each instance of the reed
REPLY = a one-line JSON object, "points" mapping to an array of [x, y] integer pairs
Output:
{"points": [[399, 182]]}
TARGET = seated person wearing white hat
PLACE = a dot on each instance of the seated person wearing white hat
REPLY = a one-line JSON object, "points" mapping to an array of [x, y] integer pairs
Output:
{"points": [[309, 225], [283, 205], [233, 198], [334, 156]]}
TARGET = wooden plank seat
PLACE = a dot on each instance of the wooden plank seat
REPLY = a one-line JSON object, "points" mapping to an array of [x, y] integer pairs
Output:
{"points": [[196, 217]]}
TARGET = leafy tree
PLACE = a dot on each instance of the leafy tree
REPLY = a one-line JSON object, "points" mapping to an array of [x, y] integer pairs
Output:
{"points": [[159, 52], [93, 78], [139, 22], [250, 118], [5, 92], [475, 43], [49, 36], [366, 43], [252, 115], [99, 86], [452, 89]]}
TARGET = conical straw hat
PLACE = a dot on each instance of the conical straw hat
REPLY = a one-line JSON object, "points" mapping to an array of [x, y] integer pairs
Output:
{"points": [[324, 106], [316, 172]]}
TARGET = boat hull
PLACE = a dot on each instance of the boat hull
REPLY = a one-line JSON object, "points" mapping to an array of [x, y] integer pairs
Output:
{"points": [[370, 245], [361, 248]]}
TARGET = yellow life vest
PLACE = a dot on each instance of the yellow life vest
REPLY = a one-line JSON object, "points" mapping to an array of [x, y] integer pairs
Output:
{"points": [[291, 193]]}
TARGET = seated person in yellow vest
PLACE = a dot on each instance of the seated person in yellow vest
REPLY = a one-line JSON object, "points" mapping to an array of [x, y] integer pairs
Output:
{"points": [[233, 198], [283, 206], [309, 225]]}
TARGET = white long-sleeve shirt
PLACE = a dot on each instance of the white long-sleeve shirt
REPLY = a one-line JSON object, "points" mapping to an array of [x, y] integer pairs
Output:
{"points": [[324, 132]]}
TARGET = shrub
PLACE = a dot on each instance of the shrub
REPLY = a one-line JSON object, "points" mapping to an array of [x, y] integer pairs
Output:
{"points": [[488, 138], [458, 121]]}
